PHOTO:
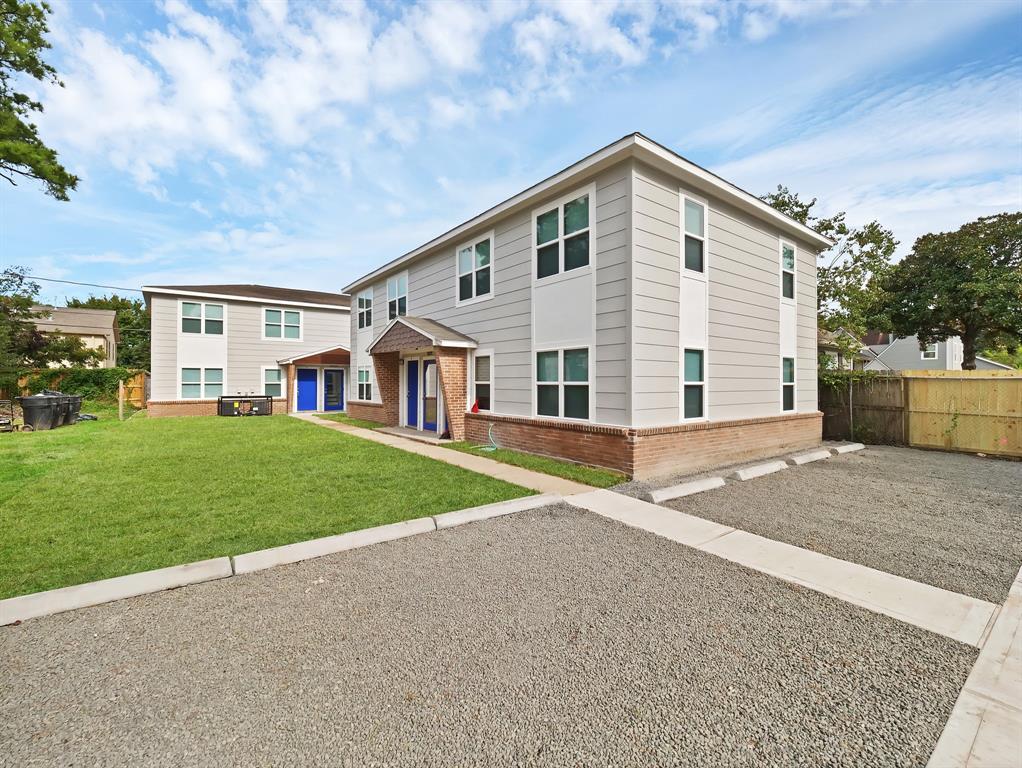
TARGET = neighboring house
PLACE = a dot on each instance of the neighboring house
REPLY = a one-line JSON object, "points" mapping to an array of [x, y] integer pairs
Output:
{"points": [[212, 340], [633, 311], [97, 328], [904, 354], [836, 356]]}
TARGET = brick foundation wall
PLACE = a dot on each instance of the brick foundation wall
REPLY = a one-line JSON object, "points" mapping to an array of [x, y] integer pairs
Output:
{"points": [[368, 411], [453, 367], [160, 408], [642, 453]]}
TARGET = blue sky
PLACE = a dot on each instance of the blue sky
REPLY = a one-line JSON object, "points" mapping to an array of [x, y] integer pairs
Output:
{"points": [[302, 145]]}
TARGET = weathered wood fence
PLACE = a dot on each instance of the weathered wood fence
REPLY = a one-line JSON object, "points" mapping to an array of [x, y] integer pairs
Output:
{"points": [[973, 411], [136, 388]]}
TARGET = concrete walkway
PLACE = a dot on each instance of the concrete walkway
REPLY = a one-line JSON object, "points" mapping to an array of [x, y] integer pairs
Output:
{"points": [[526, 478]]}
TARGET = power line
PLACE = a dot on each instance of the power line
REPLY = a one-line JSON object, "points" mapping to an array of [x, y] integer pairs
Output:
{"points": [[75, 282]]}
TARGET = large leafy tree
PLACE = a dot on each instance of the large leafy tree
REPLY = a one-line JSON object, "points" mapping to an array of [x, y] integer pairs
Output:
{"points": [[133, 322], [22, 153], [966, 283]]}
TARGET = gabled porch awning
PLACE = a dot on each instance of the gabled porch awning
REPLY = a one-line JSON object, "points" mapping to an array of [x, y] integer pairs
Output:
{"points": [[337, 354], [406, 332]]}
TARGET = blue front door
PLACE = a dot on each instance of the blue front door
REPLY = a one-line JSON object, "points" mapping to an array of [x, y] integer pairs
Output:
{"points": [[333, 389], [308, 398], [413, 393]]}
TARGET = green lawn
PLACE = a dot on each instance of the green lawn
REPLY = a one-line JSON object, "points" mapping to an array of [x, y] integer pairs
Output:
{"points": [[108, 498], [343, 418], [580, 473]]}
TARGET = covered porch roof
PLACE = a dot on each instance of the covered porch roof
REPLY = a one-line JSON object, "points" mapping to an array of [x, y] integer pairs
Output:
{"points": [[337, 354], [407, 332]]}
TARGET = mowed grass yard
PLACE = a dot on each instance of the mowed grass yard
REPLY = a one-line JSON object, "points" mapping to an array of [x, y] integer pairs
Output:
{"points": [[108, 498]]}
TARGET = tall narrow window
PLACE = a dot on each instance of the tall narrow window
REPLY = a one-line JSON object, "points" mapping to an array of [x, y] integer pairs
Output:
{"points": [[214, 320], [695, 383], [695, 235], [213, 382], [193, 314], [474, 270], [282, 324], [365, 384], [787, 271], [365, 309], [562, 383], [788, 384], [483, 381], [273, 383], [562, 237], [397, 296], [930, 353]]}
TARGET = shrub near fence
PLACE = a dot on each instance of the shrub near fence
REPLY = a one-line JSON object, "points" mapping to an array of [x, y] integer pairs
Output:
{"points": [[91, 383]]}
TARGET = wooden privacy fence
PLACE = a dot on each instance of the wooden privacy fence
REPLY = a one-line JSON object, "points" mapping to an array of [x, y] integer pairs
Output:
{"points": [[136, 390], [974, 411]]}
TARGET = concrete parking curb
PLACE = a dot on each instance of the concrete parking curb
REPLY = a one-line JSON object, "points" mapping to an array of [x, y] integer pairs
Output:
{"points": [[848, 448], [108, 590], [748, 473], [485, 512], [686, 489], [811, 456]]}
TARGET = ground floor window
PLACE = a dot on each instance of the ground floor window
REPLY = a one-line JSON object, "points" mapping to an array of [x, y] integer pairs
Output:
{"points": [[788, 384], [562, 383], [273, 384], [483, 381], [365, 384], [695, 384], [198, 383]]}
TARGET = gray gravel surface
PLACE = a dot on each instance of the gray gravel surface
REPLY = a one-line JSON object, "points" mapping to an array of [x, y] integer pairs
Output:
{"points": [[946, 519], [551, 637]]}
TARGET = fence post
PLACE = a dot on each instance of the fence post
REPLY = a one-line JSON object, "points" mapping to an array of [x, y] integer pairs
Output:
{"points": [[851, 416], [120, 400], [906, 417]]}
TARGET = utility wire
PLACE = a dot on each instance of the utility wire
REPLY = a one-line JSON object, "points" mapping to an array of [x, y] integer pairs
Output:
{"points": [[75, 282]]}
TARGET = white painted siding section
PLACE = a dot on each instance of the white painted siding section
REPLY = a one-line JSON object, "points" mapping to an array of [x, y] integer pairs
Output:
{"points": [[164, 368]]}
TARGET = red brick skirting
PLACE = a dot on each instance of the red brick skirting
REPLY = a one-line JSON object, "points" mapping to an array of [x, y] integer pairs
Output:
{"points": [[158, 408], [358, 409], [653, 450]]}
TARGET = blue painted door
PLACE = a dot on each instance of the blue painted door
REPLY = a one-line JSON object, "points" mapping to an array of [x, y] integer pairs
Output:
{"points": [[429, 401], [308, 398], [413, 393], [333, 390]]}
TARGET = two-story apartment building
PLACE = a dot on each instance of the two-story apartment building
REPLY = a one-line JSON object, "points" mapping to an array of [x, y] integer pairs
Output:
{"points": [[213, 340], [633, 311]]}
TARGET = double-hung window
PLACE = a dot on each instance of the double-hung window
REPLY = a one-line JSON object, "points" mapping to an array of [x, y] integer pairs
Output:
{"points": [[562, 236], [695, 236], [483, 381], [788, 384], [930, 353], [273, 382], [365, 384], [475, 274], [397, 296], [787, 270], [562, 383], [197, 317], [200, 383], [693, 396], [365, 309], [282, 324]]}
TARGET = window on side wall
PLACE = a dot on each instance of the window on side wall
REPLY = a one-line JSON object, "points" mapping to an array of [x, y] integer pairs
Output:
{"points": [[397, 296], [365, 384], [695, 236], [475, 273], [787, 270], [202, 383], [562, 383], [695, 384], [197, 317], [562, 237], [930, 353], [365, 309], [483, 381], [788, 384], [282, 324], [273, 382]]}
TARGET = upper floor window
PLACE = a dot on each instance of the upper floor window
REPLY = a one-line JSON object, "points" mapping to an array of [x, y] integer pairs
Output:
{"points": [[197, 317], [474, 270], [397, 296], [282, 324], [788, 384], [562, 383], [365, 309], [695, 235], [562, 236], [787, 270], [930, 353]]}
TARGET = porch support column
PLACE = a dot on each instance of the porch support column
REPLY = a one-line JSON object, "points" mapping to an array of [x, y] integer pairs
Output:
{"points": [[452, 363], [388, 380], [289, 387]]}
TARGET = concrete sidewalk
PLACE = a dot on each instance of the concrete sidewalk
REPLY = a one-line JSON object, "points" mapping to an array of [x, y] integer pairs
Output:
{"points": [[526, 478]]}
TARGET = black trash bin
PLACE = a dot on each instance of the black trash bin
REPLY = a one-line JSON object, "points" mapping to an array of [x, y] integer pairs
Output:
{"points": [[40, 411], [76, 407]]}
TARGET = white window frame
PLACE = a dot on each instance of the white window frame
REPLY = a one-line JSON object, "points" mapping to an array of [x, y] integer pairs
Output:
{"points": [[368, 383], [472, 380], [704, 416], [202, 318], [202, 381], [361, 311], [793, 271], [283, 380], [458, 274], [793, 384], [397, 296], [560, 383], [591, 229], [936, 352], [704, 237], [282, 310]]}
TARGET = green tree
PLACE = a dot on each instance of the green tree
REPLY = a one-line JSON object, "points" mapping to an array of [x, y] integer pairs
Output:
{"points": [[22, 153], [966, 283], [851, 273], [133, 322]]}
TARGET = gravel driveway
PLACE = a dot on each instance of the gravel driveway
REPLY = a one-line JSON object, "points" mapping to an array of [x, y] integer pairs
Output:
{"points": [[946, 519], [551, 637]]}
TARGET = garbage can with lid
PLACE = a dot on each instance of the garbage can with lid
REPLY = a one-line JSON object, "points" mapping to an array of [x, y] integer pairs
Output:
{"points": [[40, 411]]}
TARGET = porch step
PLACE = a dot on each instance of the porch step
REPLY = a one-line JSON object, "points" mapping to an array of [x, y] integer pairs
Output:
{"points": [[413, 434]]}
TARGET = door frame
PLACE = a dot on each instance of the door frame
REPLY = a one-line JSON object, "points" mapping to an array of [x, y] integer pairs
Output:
{"points": [[344, 400], [419, 360]]}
